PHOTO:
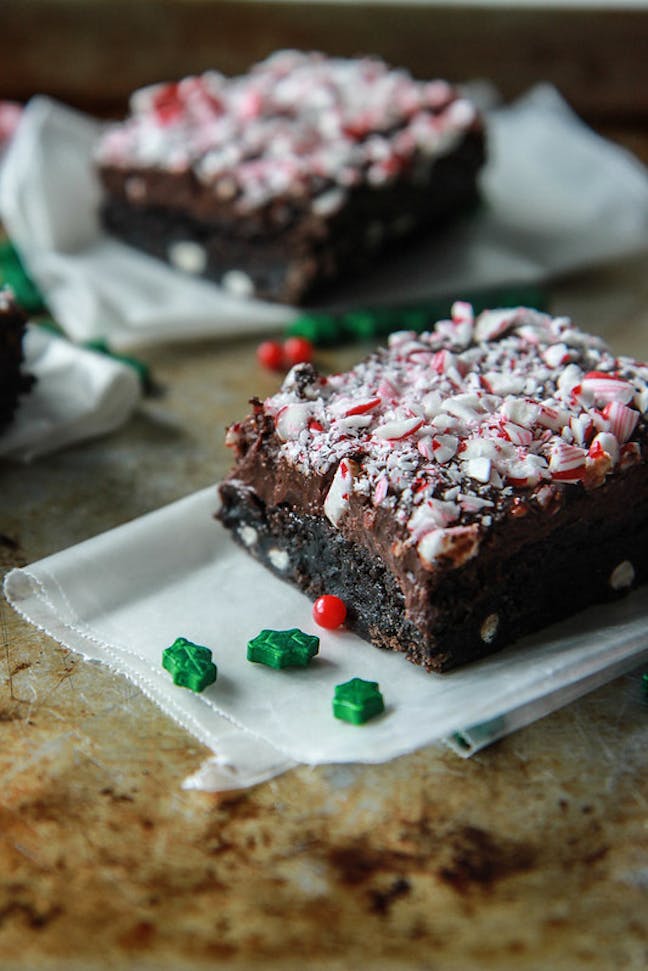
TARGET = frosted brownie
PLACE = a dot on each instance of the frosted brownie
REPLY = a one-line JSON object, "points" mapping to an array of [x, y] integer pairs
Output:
{"points": [[457, 489], [299, 172], [13, 382]]}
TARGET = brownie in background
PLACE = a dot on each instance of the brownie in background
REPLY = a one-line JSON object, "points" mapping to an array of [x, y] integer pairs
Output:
{"points": [[303, 171]]}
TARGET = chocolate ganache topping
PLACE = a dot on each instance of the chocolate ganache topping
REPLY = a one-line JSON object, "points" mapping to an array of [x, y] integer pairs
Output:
{"points": [[450, 431]]}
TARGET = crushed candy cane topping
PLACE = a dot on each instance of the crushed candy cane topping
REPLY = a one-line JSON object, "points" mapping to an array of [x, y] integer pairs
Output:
{"points": [[298, 124], [454, 427]]}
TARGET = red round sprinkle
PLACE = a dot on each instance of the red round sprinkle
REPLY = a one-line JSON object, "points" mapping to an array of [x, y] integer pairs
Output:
{"points": [[270, 355], [329, 611], [297, 350]]}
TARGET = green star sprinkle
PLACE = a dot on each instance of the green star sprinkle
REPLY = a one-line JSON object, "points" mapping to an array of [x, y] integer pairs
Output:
{"points": [[190, 665], [283, 648], [357, 701]]}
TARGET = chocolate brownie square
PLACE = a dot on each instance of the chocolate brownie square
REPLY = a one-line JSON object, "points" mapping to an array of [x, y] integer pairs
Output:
{"points": [[457, 489], [300, 172]]}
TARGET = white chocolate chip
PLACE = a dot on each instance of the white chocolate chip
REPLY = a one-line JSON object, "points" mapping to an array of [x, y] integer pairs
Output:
{"points": [[329, 202], [279, 558], [488, 629], [238, 283], [188, 256], [622, 576], [248, 535], [135, 188]]}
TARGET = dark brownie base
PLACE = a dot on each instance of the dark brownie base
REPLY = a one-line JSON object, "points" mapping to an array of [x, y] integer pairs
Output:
{"points": [[13, 382], [487, 604], [293, 261]]}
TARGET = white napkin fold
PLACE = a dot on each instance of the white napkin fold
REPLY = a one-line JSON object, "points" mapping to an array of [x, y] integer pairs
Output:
{"points": [[125, 595], [556, 197], [77, 395]]}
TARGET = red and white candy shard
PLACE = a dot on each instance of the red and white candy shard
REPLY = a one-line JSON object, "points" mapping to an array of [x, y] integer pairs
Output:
{"points": [[291, 420], [337, 499], [567, 462], [458, 544], [443, 448], [601, 388], [397, 430], [446, 434], [623, 420], [432, 514], [605, 443], [493, 323]]}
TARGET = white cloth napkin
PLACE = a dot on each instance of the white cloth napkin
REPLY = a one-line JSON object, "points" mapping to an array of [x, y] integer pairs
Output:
{"points": [[556, 197], [77, 395], [125, 595]]}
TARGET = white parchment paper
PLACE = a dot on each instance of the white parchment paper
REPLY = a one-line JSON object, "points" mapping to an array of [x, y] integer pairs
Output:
{"points": [[125, 595], [77, 395], [556, 197]]}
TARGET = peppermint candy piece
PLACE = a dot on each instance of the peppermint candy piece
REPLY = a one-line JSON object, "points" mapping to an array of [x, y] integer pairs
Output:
{"points": [[487, 448], [381, 490], [493, 323], [291, 420], [520, 412], [397, 430], [526, 472], [456, 544], [567, 462], [337, 499], [556, 354], [444, 447], [600, 388], [347, 407], [516, 434], [463, 319], [432, 514], [500, 384], [605, 444], [622, 420], [551, 417], [462, 312], [630, 455], [569, 378], [443, 361], [466, 406], [479, 469], [582, 428], [474, 503]]}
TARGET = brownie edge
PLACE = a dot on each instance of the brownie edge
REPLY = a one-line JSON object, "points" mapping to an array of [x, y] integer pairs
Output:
{"points": [[483, 606], [13, 381]]}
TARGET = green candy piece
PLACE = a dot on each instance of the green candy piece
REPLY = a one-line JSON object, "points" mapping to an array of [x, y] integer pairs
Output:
{"points": [[644, 681], [415, 319], [190, 665], [14, 275], [361, 324], [283, 648], [356, 701], [317, 328]]}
